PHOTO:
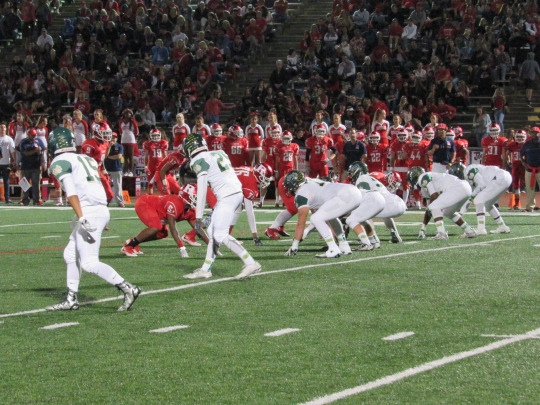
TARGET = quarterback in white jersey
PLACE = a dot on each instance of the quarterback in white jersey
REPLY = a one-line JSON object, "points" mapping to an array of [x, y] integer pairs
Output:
{"points": [[329, 201], [488, 184], [447, 194], [79, 178], [214, 168]]}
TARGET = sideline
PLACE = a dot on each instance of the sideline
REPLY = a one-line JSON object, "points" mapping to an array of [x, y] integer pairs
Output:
{"points": [[325, 263]]}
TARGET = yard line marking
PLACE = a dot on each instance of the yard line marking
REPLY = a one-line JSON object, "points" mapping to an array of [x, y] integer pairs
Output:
{"points": [[169, 329], [390, 379], [397, 336], [325, 263], [50, 236], [110, 237], [281, 332], [60, 325], [507, 336]]}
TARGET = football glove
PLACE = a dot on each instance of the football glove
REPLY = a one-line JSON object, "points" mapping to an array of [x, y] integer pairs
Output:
{"points": [[257, 242], [183, 252], [422, 234], [291, 252], [86, 225]]}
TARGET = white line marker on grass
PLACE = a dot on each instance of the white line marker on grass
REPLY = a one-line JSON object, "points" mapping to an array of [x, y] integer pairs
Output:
{"points": [[110, 237], [60, 325], [281, 332], [507, 336], [390, 379], [169, 329], [50, 236], [397, 336]]}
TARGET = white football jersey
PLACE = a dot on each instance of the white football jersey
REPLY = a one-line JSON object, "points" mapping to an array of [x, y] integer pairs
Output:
{"points": [[431, 182], [316, 193], [78, 175], [8, 147], [221, 177], [366, 183]]}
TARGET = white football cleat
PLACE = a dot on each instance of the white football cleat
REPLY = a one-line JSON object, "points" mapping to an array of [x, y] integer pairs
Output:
{"points": [[248, 270], [440, 236], [481, 232], [501, 229], [199, 273], [469, 234], [345, 248], [363, 247], [329, 254], [70, 303]]}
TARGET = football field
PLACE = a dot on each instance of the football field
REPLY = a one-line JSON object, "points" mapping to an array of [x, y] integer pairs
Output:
{"points": [[423, 322]]}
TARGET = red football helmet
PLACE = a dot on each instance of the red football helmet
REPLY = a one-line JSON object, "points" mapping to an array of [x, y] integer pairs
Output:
{"points": [[403, 135], [286, 138], [263, 173], [235, 132], [319, 130], [392, 181], [189, 194], [361, 136], [374, 138], [416, 137], [378, 176], [102, 131], [409, 128], [458, 131], [429, 133], [521, 136], [494, 130], [275, 132], [451, 134], [155, 135], [216, 129]]}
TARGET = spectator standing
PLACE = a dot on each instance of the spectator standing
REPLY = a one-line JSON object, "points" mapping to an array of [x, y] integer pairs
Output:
{"points": [[28, 17], [279, 15], [530, 157], [212, 108], [279, 77], [129, 132], [442, 149], [354, 150], [44, 39], [528, 72], [32, 162], [7, 160], [113, 165], [481, 124]]}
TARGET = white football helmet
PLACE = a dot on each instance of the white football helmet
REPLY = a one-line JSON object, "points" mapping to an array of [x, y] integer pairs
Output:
{"points": [[275, 132], [429, 133], [403, 135], [155, 135], [286, 138], [374, 138], [189, 194], [102, 131], [494, 130], [235, 132], [263, 173], [319, 130], [216, 130], [521, 136], [416, 137]]}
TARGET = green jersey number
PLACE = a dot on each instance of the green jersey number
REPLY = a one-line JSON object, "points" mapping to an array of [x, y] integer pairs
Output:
{"points": [[90, 167]]}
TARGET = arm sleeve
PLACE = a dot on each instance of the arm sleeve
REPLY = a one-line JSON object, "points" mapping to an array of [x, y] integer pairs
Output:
{"points": [[202, 187]]}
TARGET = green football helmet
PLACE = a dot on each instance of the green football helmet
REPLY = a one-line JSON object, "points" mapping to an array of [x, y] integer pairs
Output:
{"points": [[61, 140], [356, 169], [414, 174], [457, 169], [293, 180], [193, 144]]}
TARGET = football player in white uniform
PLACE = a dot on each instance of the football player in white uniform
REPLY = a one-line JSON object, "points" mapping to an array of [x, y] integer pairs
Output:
{"points": [[447, 193], [393, 206], [329, 201], [214, 169], [488, 184], [79, 177]]}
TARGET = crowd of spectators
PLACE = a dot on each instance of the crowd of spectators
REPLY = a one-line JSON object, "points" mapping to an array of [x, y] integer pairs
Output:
{"points": [[414, 58], [165, 56]]}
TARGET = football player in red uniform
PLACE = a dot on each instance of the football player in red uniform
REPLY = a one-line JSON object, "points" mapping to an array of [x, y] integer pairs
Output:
{"points": [[164, 178], [286, 155], [377, 154], [462, 146], [179, 131], [493, 147], [161, 213], [337, 132], [399, 160], [156, 150], [512, 157], [216, 138], [269, 147], [236, 146], [317, 151], [428, 133], [277, 227], [416, 156], [254, 134], [250, 189], [97, 148]]}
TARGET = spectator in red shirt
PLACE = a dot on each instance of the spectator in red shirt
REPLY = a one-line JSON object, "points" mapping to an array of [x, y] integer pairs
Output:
{"points": [[212, 108]]}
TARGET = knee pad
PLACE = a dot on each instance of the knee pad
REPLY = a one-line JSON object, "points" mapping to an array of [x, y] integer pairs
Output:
{"points": [[90, 265], [70, 256]]}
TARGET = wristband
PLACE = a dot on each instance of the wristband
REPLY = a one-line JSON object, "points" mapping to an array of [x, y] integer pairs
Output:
{"points": [[180, 244]]}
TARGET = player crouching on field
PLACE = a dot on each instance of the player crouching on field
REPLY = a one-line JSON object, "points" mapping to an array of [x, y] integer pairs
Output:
{"points": [[161, 213]]}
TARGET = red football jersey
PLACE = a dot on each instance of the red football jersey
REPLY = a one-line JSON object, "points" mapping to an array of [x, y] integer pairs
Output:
{"points": [[377, 157], [175, 158], [288, 200], [513, 151], [461, 144], [95, 149], [393, 131], [285, 155], [215, 142], [250, 187], [398, 149], [318, 147], [416, 154], [156, 152], [269, 147], [493, 150], [153, 210], [237, 150]]}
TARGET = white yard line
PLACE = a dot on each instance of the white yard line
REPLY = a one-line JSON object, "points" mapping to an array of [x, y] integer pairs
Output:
{"points": [[281, 332], [169, 329], [397, 336], [390, 379], [323, 263], [59, 325]]}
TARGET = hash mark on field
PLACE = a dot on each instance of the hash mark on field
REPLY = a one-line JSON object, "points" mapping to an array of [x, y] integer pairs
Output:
{"points": [[281, 332], [507, 336], [397, 336], [110, 237], [422, 368], [50, 236], [169, 329], [60, 325]]}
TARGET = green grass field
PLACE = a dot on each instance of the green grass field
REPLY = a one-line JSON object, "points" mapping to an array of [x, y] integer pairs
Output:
{"points": [[471, 307]]}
